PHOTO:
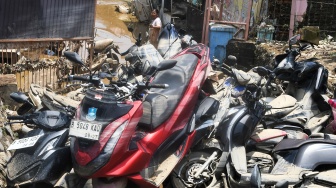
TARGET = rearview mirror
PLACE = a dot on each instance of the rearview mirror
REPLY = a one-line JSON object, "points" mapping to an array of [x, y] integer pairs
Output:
{"points": [[19, 97], [256, 177], [138, 40], [295, 39], [130, 29], [231, 60], [74, 57]]}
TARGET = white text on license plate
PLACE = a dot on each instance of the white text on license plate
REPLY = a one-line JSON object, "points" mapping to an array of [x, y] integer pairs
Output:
{"points": [[24, 142], [85, 130]]}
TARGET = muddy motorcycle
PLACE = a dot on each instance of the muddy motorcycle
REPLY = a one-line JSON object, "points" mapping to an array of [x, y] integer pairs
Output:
{"points": [[238, 79], [171, 41], [103, 50], [304, 105], [143, 59], [295, 162], [138, 139], [230, 92], [42, 156]]}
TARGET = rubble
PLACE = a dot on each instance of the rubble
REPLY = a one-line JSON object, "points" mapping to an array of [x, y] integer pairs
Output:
{"points": [[5, 140]]}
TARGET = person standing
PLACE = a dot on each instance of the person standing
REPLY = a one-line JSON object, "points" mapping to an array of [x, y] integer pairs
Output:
{"points": [[154, 28]]}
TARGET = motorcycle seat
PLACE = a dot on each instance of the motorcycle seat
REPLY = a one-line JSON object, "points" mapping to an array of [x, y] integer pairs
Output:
{"points": [[100, 45], [159, 104], [242, 77], [290, 144], [283, 101]]}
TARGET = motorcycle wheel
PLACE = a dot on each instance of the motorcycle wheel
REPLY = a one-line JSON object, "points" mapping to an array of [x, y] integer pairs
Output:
{"points": [[186, 166]]}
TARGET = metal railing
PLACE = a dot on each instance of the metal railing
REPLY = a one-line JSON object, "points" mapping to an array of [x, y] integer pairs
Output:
{"points": [[40, 62]]}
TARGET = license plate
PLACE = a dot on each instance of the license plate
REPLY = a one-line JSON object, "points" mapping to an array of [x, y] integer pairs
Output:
{"points": [[24, 142], [84, 129]]}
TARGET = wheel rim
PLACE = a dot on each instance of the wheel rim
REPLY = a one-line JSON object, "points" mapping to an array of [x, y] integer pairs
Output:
{"points": [[189, 169]]}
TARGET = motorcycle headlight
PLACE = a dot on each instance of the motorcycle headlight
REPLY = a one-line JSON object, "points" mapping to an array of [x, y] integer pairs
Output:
{"points": [[103, 157]]}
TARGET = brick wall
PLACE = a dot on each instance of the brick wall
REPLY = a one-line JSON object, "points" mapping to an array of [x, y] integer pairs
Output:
{"points": [[322, 13]]}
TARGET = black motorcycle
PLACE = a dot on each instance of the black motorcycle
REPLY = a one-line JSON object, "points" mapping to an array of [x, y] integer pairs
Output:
{"points": [[42, 157], [295, 162]]}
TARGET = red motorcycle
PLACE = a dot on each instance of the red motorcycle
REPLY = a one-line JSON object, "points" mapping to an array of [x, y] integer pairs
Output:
{"points": [[135, 134]]}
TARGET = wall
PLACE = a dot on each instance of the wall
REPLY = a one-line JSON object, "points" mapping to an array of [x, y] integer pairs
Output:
{"points": [[321, 13]]}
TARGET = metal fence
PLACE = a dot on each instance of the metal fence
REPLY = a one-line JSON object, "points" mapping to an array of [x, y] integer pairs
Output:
{"points": [[34, 33], [40, 62]]}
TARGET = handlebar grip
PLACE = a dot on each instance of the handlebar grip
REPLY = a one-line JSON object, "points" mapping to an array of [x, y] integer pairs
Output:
{"points": [[271, 77], [226, 66], [16, 117], [158, 85], [303, 47], [124, 53], [81, 78]]}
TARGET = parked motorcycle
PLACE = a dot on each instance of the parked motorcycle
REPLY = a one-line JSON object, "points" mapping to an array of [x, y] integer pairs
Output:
{"points": [[231, 91], [304, 105], [42, 156], [292, 161], [118, 138], [170, 41]]}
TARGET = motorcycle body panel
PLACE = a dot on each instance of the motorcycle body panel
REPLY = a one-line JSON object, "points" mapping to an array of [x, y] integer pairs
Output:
{"points": [[89, 156], [236, 89], [45, 162], [308, 152]]}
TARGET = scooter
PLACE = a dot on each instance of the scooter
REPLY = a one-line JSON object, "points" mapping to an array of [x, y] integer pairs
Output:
{"points": [[294, 161], [304, 105], [138, 142], [170, 41], [42, 156]]}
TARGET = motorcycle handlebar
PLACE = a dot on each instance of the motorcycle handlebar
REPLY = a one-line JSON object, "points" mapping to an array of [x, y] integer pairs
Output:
{"points": [[226, 71], [94, 80], [158, 85], [303, 47], [271, 77], [16, 117], [81, 78]]}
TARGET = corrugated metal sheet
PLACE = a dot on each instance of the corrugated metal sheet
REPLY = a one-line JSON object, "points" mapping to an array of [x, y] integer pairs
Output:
{"points": [[40, 19]]}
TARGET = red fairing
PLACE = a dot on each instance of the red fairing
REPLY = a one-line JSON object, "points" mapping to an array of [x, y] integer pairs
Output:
{"points": [[133, 117]]}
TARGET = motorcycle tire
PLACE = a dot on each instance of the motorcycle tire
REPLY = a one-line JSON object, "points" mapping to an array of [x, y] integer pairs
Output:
{"points": [[188, 162]]}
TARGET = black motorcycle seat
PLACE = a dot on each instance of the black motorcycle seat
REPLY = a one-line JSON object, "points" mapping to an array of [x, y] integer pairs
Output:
{"points": [[159, 104], [289, 144]]}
